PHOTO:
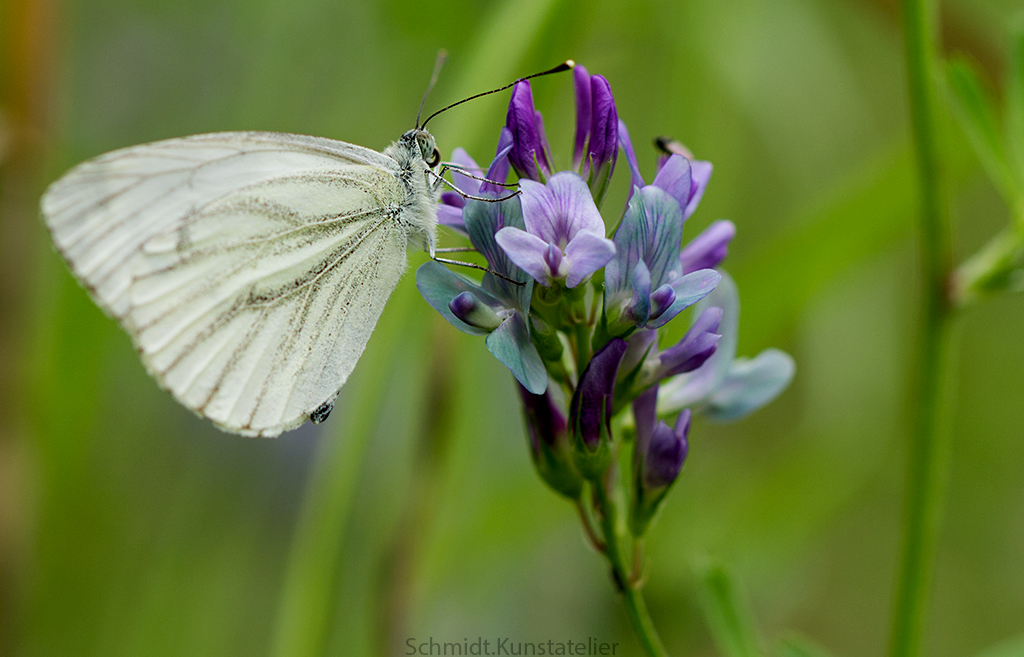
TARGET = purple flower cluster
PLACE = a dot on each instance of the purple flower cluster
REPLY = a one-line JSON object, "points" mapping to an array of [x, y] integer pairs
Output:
{"points": [[574, 313]]}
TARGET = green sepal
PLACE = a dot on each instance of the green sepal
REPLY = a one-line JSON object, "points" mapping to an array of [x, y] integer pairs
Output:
{"points": [[555, 467], [546, 303], [592, 463], [546, 339], [645, 503]]}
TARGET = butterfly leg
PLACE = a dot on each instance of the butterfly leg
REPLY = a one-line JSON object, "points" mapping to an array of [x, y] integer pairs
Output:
{"points": [[439, 180], [481, 268], [456, 249]]}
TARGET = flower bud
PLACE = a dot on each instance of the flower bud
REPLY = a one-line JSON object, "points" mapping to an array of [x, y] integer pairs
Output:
{"points": [[658, 458], [469, 309], [597, 131], [529, 144], [591, 410], [549, 443], [666, 452], [604, 136], [581, 84]]}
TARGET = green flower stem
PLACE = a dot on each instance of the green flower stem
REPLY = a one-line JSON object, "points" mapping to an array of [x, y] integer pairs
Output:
{"points": [[928, 457], [588, 528], [632, 597]]}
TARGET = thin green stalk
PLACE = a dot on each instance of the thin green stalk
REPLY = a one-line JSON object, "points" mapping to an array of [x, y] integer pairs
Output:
{"points": [[928, 457], [636, 608]]}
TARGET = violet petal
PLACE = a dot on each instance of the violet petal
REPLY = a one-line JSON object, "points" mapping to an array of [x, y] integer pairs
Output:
{"points": [[581, 83], [586, 253], [700, 174], [498, 171], [439, 286], [661, 300], [451, 216], [689, 289], [651, 231], [645, 416], [627, 147], [464, 183], [467, 307], [640, 306], [666, 452], [544, 420], [604, 131], [696, 346], [675, 178], [557, 211], [521, 120], [527, 251], [709, 248], [592, 402]]}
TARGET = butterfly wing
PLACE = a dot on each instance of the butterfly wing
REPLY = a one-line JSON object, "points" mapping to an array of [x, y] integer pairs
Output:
{"points": [[248, 268]]}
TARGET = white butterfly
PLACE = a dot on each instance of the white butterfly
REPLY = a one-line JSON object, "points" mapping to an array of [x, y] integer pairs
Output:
{"points": [[249, 268]]}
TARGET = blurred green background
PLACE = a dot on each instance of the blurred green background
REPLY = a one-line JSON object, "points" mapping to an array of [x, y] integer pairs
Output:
{"points": [[130, 527]]}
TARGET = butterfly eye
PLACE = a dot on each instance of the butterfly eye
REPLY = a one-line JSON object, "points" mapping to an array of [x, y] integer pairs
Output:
{"points": [[434, 159]]}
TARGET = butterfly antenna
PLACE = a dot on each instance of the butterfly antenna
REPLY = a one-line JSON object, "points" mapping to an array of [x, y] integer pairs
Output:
{"points": [[442, 56], [564, 66]]}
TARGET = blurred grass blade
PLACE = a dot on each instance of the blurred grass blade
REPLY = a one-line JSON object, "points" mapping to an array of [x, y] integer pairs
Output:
{"points": [[728, 617], [796, 645], [1015, 97], [315, 562], [1010, 648], [976, 112]]}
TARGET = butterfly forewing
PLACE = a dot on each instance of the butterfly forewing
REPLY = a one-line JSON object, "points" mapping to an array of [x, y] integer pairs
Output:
{"points": [[249, 268]]}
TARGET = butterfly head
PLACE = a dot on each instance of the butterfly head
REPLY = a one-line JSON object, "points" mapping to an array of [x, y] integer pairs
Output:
{"points": [[422, 142]]}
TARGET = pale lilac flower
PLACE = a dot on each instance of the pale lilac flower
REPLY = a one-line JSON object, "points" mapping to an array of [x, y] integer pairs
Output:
{"points": [[644, 283], [726, 387], [564, 237], [685, 182], [496, 307]]}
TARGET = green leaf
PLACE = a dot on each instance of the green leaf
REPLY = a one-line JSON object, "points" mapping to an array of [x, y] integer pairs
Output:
{"points": [[1010, 648], [796, 645], [728, 617], [976, 112]]}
